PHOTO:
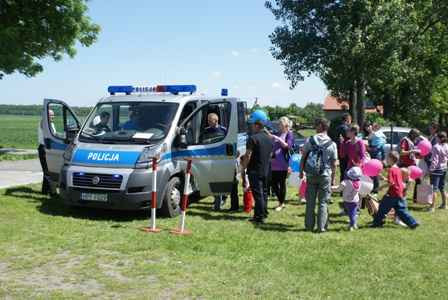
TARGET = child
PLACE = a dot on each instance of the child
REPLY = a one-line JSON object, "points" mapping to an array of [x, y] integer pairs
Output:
{"points": [[395, 196], [350, 187]]}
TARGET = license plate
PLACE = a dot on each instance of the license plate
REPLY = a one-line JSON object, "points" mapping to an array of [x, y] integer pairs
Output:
{"points": [[94, 197]]}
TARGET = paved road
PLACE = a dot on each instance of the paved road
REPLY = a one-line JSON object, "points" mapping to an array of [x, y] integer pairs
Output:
{"points": [[13, 173]]}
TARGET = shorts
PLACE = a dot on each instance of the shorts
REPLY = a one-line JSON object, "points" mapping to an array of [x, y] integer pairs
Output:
{"points": [[437, 180]]}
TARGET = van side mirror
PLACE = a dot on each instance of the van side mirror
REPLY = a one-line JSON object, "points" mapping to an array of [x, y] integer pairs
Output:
{"points": [[71, 133], [181, 138]]}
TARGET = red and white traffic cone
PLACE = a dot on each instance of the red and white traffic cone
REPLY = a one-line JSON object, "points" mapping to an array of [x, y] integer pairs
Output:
{"points": [[152, 228], [184, 203]]}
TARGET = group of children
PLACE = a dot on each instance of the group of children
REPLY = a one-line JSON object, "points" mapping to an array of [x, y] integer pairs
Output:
{"points": [[393, 199], [435, 165]]}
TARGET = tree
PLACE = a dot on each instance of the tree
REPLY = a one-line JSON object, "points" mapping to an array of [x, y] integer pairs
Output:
{"points": [[388, 50], [31, 30]]}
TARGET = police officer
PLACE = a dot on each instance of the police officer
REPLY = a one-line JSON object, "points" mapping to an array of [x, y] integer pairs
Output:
{"points": [[257, 161]]}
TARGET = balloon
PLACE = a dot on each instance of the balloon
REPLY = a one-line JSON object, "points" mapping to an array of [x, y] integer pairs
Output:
{"points": [[425, 147], [294, 162], [366, 186], [294, 180], [415, 172], [372, 167]]}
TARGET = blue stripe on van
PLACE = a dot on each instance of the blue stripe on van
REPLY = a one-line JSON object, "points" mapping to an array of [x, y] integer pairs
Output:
{"points": [[58, 146], [219, 150], [104, 157]]}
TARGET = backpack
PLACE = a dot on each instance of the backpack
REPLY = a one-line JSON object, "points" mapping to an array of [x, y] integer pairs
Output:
{"points": [[314, 164]]}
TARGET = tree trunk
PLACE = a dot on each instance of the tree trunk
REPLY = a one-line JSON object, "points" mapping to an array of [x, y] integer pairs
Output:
{"points": [[360, 105], [387, 105], [353, 104]]}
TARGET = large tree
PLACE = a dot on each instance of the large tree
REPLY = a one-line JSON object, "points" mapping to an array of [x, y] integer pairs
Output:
{"points": [[31, 30], [390, 50]]}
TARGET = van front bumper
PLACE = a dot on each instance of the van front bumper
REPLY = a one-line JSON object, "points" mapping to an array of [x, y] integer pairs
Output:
{"points": [[134, 192], [119, 200]]}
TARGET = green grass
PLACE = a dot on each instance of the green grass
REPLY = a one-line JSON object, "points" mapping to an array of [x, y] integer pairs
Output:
{"points": [[49, 251], [9, 156], [19, 131]]}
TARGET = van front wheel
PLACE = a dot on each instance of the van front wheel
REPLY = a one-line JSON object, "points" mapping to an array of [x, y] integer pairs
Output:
{"points": [[172, 195]]}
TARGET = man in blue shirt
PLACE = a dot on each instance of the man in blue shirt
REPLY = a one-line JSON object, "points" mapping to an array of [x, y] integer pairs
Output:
{"points": [[132, 123], [213, 126]]}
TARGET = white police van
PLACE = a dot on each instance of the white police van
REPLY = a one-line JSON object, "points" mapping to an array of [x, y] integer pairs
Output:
{"points": [[106, 161]]}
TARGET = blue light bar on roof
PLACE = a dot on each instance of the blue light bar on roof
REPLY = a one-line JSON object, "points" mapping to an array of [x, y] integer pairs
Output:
{"points": [[127, 89], [173, 89], [224, 92]]}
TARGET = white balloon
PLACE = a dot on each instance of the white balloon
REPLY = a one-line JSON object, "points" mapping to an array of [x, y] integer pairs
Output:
{"points": [[294, 180], [366, 186]]}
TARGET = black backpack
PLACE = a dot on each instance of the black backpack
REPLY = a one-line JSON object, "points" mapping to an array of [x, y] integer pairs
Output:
{"points": [[314, 164]]}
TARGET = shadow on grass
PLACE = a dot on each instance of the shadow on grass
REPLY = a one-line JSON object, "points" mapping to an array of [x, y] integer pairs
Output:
{"points": [[268, 226], [216, 217], [55, 207]]}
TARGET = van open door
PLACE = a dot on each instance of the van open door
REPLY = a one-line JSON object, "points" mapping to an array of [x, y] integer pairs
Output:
{"points": [[213, 150], [59, 127]]}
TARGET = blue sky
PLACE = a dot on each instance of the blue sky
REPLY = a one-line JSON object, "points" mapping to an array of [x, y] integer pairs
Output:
{"points": [[213, 44]]}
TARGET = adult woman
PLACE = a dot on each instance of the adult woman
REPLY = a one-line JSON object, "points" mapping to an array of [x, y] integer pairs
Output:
{"points": [[282, 143], [437, 169], [409, 153], [354, 150]]}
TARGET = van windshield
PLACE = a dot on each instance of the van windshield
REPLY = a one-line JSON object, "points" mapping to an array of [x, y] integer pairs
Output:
{"points": [[129, 122]]}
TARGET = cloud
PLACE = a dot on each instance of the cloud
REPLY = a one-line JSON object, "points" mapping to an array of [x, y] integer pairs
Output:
{"points": [[235, 53], [216, 74], [276, 85], [254, 50]]}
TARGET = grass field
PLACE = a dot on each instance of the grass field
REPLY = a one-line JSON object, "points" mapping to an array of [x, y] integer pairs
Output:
{"points": [[19, 131], [49, 251]]}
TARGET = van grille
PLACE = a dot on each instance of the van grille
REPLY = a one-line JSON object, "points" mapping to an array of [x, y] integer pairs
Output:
{"points": [[109, 181]]}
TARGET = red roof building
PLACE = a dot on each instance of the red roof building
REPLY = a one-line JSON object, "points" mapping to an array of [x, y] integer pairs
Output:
{"points": [[334, 107]]}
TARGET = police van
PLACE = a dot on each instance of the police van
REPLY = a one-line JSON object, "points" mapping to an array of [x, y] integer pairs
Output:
{"points": [[106, 161]]}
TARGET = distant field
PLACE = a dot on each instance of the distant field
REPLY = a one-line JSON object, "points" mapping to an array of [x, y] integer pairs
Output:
{"points": [[18, 131]]}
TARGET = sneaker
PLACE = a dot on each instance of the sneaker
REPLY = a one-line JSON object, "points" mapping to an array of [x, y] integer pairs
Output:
{"points": [[256, 220], [397, 221], [351, 228], [443, 206], [280, 207], [430, 209], [303, 201], [321, 230], [414, 226]]}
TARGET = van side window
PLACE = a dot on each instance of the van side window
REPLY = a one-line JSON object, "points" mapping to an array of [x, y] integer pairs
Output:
{"points": [[209, 125], [187, 110], [60, 119], [242, 117]]}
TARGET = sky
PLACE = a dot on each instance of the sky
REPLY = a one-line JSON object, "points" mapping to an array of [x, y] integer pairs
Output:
{"points": [[213, 44]]}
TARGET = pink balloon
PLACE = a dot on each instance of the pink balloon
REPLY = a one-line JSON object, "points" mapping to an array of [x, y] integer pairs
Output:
{"points": [[415, 172], [372, 168], [425, 147]]}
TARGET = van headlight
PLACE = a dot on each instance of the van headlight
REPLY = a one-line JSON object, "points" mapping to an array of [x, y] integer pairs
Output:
{"points": [[144, 161], [68, 152]]}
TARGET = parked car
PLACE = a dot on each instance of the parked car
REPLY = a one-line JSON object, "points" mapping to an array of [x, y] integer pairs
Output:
{"points": [[394, 135]]}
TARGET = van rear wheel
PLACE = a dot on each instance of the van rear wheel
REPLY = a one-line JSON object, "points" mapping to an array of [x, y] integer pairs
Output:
{"points": [[172, 196]]}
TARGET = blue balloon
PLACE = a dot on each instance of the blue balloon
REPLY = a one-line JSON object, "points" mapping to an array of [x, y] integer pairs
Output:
{"points": [[294, 162]]}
